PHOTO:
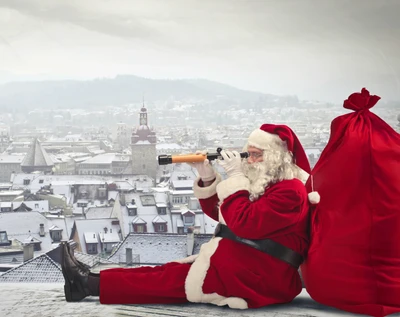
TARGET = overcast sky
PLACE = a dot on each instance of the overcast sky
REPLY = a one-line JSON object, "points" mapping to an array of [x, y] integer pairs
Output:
{"points": [[321, 49]]}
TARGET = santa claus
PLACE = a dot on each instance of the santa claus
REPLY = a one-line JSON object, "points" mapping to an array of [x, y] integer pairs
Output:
{"points": [[252, 260]]}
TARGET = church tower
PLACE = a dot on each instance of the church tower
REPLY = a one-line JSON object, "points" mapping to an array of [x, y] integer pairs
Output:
{"points": [[143, 144]]}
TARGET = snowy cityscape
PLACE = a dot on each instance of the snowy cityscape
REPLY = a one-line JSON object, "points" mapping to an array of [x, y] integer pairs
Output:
{"points": [[92, 94]]}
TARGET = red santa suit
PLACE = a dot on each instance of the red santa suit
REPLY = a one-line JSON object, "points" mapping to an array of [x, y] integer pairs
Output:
{"points": [[229, 273], [226, 272]]}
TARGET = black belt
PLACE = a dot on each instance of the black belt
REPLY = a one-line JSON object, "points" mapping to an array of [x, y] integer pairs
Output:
{"points": [[268, 246]]}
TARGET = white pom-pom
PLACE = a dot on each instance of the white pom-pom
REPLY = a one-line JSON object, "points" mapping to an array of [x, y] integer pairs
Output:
{"points": [[314, 198]]}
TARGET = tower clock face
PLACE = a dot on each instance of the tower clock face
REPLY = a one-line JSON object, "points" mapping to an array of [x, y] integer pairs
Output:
{"points": [[142, 121]]}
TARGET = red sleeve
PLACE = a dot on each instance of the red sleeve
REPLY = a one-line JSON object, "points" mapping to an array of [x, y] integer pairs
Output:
{"points": [[208, 197], [210, 206], [271, 214]]}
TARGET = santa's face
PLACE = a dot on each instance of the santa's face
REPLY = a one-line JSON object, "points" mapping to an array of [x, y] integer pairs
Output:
{"points": [[254, 167], [255, 155]]}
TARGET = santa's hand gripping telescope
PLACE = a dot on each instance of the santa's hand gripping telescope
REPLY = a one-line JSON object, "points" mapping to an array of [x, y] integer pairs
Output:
{"points": [[192, 158]]}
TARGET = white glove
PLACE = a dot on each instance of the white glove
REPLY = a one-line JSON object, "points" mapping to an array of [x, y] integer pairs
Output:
{"points": [[232, 163], [205, 170]]}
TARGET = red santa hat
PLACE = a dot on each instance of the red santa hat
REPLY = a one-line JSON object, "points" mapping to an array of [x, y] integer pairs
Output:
{"points": [[270, 133]]}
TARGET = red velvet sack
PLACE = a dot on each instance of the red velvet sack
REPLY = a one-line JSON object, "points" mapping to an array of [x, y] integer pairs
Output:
{"points": [[354, 258]]}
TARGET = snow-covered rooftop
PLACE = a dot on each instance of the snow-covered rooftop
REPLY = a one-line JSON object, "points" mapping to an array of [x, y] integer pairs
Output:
{"points": [[22, 225], [90, 237], [106, 158], [37, 156], [47, 300], [90, 226], [157, 248], [41, 269], [11, 158]]}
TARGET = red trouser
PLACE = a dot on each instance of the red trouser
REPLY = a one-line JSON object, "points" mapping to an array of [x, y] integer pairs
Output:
{"points": [[163, 284]]}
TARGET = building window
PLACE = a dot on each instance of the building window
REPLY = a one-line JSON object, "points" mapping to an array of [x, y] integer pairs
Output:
{"points": [[132, 211], [36, 206], [189, 220], [41, 181], [27, 181], [55, 235], [107, 247], [91, 248], [140, 228], [160, 227], [177, 200], [3, 237], [180, 230], [162, 210]]}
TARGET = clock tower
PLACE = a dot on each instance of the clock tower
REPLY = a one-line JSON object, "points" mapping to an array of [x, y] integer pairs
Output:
{"points": [[143, 117], [143, 145]]}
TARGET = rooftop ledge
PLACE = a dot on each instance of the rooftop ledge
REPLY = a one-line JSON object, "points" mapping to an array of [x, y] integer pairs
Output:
{"points": [[27, 299]]}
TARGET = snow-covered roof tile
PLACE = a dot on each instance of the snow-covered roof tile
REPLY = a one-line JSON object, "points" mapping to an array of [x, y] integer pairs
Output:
{"points": [[41, 269], [156, 248], [98, 212], [90, 237], [94, 225], [55, 228], [138, 220], [109, 237], [37, 156], [185, 211], [159, 219]]}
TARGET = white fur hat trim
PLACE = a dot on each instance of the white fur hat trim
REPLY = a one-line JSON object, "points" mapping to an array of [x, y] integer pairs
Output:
{"points": [[261, 139]]}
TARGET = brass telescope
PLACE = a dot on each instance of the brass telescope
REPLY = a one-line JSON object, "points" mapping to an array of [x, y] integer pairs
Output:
{"points": [[192, 158]]}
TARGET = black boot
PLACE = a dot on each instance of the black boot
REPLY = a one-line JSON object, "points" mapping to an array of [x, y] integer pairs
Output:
{"points": [[79, 283], [84, 267]]}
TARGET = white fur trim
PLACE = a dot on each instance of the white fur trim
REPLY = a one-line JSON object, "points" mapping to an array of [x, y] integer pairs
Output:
{"points": [[197, 274], [206, 192], [261, 139], [314, 198], [189, 259], [231, 186]]}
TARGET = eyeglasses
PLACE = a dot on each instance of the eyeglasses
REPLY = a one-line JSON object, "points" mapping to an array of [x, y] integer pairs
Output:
{"points": [[255, 155]]}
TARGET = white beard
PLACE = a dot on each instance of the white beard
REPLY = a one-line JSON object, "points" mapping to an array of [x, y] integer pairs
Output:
{"points": [[259, 180]]}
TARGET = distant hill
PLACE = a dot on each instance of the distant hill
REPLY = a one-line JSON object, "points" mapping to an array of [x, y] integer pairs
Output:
{"points": [[117, 91]]}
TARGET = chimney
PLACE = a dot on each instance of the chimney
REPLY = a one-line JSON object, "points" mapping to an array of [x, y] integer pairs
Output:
{"points": [[12, 177], [128, 256], [122, 199], [41, 230], [28, 252], [133, 201], [190, 241]]}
